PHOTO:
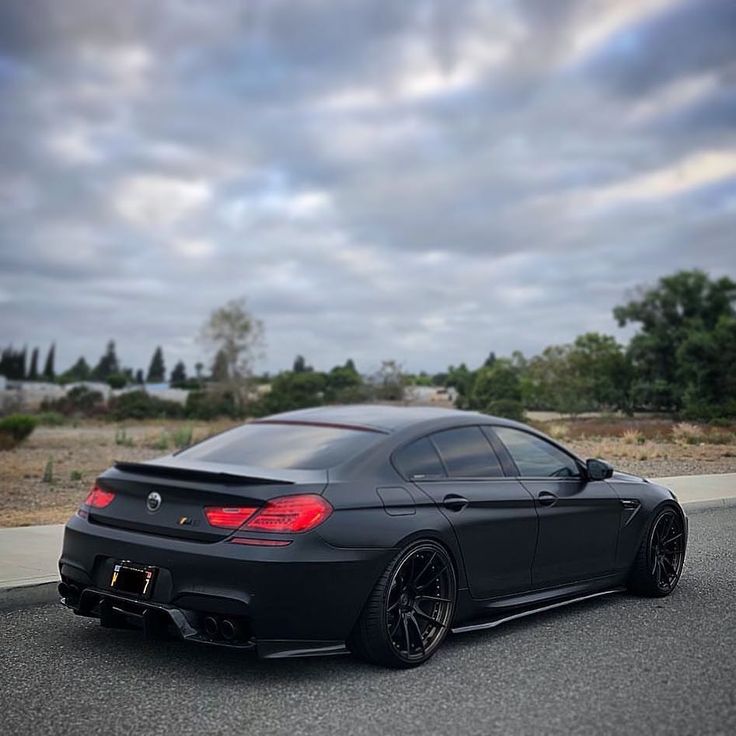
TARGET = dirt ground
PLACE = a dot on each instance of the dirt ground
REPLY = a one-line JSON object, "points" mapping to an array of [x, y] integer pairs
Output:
{"points": [[44, 480], [75, 456]]}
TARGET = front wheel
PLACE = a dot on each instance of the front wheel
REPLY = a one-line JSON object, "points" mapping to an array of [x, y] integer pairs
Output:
{"points": [[658, 564], [410, 609]]}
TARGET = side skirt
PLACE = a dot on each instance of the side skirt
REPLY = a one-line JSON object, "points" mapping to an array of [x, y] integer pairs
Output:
{"points": [[531, 611]]}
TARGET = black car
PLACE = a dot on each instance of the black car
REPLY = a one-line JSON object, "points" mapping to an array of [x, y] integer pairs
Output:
{"points": [[373, 529]]}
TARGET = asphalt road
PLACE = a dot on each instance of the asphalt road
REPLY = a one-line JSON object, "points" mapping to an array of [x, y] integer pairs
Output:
{"points": [[617, 665]]}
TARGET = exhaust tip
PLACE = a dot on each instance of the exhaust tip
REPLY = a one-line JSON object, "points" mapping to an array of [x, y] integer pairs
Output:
{"points": [[211, 627], [229, 629], [69, 593]]}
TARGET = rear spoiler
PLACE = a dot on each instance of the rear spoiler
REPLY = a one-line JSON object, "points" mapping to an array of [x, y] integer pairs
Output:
{"points": [[197, 474]]}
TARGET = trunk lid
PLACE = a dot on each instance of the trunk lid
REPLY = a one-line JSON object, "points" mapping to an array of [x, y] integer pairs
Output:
{"points": [[186, 488]]}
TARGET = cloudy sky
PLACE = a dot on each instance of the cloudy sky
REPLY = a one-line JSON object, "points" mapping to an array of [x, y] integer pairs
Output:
{"points": [[423, 181]]}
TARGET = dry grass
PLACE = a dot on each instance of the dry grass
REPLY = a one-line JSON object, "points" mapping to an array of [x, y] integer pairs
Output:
{"points": [[633, 437], [75, 457]]}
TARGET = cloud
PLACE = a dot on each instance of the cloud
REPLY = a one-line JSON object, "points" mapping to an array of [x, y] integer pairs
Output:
{"points": [[155, 201], [420, 181]]}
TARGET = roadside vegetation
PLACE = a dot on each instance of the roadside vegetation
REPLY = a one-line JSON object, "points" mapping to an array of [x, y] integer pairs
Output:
{"points": [[14, 429], [678, 363]]}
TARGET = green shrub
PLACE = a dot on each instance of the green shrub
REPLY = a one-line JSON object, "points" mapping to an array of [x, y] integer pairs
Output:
{"points": [[712, 413], [75, 475], [14, 429], [48, 471], [162, 443], [117, 380], [140, 405], [290, 391], [210, 404], [182, 437], [122, 438], [507, 408], [79, 401]]}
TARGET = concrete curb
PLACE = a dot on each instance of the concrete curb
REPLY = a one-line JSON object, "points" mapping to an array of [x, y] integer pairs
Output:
{"points": [[34, 594], [693, 507], [42, 592]]}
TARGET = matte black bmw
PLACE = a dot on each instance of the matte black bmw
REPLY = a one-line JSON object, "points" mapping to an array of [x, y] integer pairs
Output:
{"points": [[370, 528]]}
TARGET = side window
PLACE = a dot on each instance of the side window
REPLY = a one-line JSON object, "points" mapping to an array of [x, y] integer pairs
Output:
{"points": [[467, 453], [535, 457], [420, 460]]}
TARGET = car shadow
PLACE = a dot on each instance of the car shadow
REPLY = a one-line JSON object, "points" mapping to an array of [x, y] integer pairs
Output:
{"points": [[217, 664]]}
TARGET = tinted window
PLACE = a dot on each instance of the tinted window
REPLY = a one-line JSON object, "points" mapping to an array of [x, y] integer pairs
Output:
{"points": [[467, 453], [305, 446], [535, 457], [420, 460]]}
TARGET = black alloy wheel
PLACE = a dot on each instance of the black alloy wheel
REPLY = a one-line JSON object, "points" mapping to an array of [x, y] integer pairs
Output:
{"points": [[410, 610], [666, 549], [658, 564], [420, 602]]}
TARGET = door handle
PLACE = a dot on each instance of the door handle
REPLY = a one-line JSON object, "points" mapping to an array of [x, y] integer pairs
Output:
{"points": [[546, 498], [453, 502]]}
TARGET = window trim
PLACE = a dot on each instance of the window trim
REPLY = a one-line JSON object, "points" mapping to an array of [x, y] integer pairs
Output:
{"points": [[447, 477], [576, 460]]}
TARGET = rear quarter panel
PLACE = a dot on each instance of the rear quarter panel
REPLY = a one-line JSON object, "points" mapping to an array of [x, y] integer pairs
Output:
{"points": [[365, 519]]}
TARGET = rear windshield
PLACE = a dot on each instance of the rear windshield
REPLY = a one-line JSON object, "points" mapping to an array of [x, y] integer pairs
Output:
{"points": [[283, 446]]}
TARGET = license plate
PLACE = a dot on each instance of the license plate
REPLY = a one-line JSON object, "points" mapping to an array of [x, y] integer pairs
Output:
{"points": [[135, 579]]}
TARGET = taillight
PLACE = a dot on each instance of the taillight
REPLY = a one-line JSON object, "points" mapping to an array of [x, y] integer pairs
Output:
{"points": [[98, 498], [228, 517], [291, 514]]}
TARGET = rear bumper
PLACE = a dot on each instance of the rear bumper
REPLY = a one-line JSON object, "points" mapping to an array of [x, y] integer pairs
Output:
{"points": [[302, 598]]}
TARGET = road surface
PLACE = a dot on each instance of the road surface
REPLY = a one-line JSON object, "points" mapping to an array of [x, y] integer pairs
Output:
{"points": [[616, 665]]}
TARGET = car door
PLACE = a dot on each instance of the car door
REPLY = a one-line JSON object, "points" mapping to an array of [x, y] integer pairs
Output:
{"points": [[578, 519], [493, 516]]}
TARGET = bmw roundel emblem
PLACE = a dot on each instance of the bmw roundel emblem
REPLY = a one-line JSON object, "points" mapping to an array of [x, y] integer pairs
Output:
{"points": [[153, 502]]}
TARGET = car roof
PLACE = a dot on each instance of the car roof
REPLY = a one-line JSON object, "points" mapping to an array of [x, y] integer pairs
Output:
{"points": [[382, 417]]}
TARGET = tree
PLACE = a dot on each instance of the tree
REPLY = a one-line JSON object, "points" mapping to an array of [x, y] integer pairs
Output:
{"points": [[179, 374], [292, 390], [108, 363], [33, 370], [220, 369], [601, 371], [706, 371], [235, 335], [22, 363], [13, 363], [495, 381], [157, 367], [461, 379], [390, 381], [591, 374], [300, 365], [681, 309], [139, 376], [490, 360], [80, 371], [48, 370], [344, 384], [199, 367]]}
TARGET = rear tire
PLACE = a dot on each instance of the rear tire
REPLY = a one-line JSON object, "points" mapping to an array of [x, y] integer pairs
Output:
{"points": [[410, 609], [658, 564]]}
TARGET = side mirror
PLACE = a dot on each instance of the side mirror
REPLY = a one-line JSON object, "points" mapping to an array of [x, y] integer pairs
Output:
{"points": [[598, 469]]}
